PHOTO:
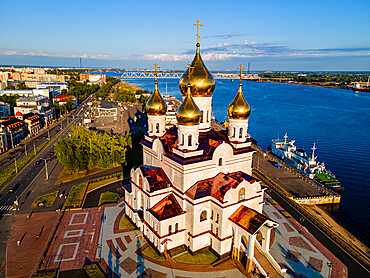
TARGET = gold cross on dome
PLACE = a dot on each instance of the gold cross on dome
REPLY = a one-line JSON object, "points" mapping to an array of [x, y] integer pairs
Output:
{"points": [[241, 71], [190, 68], [155, 69], [198, 24]]}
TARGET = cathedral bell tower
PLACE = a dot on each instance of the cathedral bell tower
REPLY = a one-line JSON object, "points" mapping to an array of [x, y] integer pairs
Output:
{"points": [[156, 109], [238, 112], [202, 86]]}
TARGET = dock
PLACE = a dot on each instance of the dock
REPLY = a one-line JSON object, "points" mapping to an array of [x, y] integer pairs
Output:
{"points": [[290, 181]]}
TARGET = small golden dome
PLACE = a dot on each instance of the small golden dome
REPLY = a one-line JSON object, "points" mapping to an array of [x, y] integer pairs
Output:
{"points": [[156, 106], [188, 113], [201, 80], [239, 108]]}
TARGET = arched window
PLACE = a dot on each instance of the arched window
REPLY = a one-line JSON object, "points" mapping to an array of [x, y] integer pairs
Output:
{"points": [[142, 202], [217, 217], [207, 116], [151, 128], [241, 194], [234, 131], [176, 227], [147, 203], [201, 116], [190, 139], [203, 215], [157, 127], [182, 139], [211, 228], [170, 229], [212, 214], [220, 162], [241, 132]]}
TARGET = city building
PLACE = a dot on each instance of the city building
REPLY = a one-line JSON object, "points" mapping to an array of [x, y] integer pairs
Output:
{"points": [[195, 188], [58, 86], [33, 101], [5, 109], [93, 78], [12, 131], [33, 123], [172, 105], [62, 99], [107, 108], [25, 93]]}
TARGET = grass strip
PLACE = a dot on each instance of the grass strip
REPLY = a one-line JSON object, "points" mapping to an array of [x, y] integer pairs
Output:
{"points": [[75, 197], [206, 257], [44, 274], [47, 200], [93, 271], [124, 223], [100, 183], [151, 253], [108, 198]]}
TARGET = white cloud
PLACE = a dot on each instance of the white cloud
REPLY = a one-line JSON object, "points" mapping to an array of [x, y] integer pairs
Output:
{"points": [[167, 57], [41, 53]]}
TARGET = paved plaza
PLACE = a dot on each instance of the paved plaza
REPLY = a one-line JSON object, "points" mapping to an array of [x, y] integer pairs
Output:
{"points": [[93, 235]]}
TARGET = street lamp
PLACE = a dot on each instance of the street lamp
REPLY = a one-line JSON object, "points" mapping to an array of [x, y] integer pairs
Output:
{"points": [[331, 267], [99, 246], [46, 168]]}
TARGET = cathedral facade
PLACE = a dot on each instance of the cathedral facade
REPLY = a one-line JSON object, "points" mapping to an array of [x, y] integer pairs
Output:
{"points": [[195, 187]]}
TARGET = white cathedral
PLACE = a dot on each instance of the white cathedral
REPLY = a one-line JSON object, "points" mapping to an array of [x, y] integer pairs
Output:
{"points": [[195, 188]]}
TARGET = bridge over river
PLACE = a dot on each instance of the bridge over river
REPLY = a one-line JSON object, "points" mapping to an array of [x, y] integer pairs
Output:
{"points": [[143, 74]]}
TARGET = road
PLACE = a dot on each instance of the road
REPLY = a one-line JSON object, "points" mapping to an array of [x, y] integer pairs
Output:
{"points": [[24, 179]]}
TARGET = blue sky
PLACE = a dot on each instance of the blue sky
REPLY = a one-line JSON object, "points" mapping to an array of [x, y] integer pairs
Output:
{"points": [[272, 35]]}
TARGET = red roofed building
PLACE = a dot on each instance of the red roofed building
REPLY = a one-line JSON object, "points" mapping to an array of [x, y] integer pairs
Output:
{"points": [[62, 99]]}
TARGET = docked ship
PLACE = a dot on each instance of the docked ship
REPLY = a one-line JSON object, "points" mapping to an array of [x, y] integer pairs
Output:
{"points": [[298, 158]]}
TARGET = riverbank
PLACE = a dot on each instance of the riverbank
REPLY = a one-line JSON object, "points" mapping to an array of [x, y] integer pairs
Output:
{"points": [[306, 84], [313, 213]]}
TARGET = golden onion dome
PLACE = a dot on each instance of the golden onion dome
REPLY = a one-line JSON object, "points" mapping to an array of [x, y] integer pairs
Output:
{"points": [[188, 113], [239, 108], [156, 106], [201, 80]]}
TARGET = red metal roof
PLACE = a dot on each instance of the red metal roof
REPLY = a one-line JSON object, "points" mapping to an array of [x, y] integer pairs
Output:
{"points": [[166, 208]]}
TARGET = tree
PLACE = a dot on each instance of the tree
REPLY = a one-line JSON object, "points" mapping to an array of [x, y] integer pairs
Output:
{"points": [[22, 86], [9, 87]]}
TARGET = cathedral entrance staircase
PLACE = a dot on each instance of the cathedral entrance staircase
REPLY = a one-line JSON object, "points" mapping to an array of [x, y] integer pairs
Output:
{"points": [[266, 264]]}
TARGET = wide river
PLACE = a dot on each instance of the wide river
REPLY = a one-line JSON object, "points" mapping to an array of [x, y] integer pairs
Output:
{"points": [[337, 120]]}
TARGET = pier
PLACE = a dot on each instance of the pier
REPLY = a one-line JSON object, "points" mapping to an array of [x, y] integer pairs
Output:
{"points": [[291, 182]]}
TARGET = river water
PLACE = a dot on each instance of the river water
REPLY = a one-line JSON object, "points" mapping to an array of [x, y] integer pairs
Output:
{"points": [[337, 120]]}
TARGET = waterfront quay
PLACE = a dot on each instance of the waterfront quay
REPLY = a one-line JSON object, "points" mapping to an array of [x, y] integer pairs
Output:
{"points": [[295, 184], [289, 188]]}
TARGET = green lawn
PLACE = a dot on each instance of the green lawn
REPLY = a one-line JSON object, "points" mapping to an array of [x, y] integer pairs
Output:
{"points": [[49, 274], [93, 271], [178, 251], [75, 197], [206, 257], [108, 198], [96, 184], [124, 223], [47, 199], [151, 253]]}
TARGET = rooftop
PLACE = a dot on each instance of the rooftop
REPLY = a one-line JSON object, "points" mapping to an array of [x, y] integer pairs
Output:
{"points": [[248, 219], [166, 208], [32, 98], [156, 177], [208, 142], [218, 186]]}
